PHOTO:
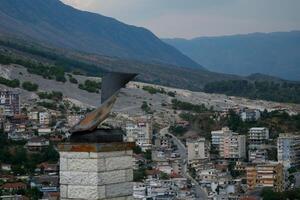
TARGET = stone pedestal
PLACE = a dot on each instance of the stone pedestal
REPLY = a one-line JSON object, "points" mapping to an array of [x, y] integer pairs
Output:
{"points": [[96, 171]]}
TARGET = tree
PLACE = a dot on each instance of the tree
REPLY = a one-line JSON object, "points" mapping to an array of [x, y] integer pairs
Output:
{"points": [[29, 86], [164, 176]]}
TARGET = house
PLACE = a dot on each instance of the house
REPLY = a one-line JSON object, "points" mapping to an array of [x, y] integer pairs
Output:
{"points": [[45, 183], [37, 144], [48, 168], [14, 197], [250, 115], [5, 167], [44, 118], [44, 131], [10, 102], [14, 186]]}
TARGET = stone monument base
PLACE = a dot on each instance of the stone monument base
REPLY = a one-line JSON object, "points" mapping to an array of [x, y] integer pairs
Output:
{"points": [[96, 171]]}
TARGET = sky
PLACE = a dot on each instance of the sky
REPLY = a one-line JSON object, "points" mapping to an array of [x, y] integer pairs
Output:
{"points": [[195, 18]]}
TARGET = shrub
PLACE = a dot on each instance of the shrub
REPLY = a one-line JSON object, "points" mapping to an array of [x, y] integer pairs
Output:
{"points": [[29, 86]]}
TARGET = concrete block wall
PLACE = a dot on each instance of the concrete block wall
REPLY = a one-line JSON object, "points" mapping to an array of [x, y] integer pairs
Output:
{"points": [[96, 175]]}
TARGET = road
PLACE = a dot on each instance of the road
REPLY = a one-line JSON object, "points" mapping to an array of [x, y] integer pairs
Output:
{"points": [[200, 193]]}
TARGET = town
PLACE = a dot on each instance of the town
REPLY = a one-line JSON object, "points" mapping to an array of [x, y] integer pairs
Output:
{"points": [[198, 153]]}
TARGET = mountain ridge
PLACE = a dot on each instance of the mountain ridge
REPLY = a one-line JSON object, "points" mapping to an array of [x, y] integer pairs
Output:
{"points": [[57, 24], [274, 53]]}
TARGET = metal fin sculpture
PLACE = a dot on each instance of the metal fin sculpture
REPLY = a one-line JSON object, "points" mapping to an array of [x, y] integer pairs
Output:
{"points": [[111, 85]]}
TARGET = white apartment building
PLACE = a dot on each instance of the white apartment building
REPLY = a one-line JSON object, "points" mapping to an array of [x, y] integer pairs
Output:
{"points": [[229, 144], [258, 137], [74, 119], [140, 133], [44, 118], [288, 150], [250, 115], [198, 149], [9, 103]]}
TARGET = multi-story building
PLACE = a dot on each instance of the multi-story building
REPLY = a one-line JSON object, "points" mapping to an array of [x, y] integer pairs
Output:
{"points": [[258, 137], [258, 156], [229, 144], [265, 175], [234, 146], [44, 118], [250, 115], [288, 150], [218, 136], [9, 103], [140, 133], [198, 149], [74, 119]]}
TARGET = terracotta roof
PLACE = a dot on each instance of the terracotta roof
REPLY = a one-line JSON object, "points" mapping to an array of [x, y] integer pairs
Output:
{"points": [[14, 186], [175, 175]]}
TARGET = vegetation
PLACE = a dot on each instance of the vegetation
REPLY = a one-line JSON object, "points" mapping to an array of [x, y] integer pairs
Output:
{"points": [[49, 105], [153, 90], [269, 194], [276, 121], [73, 80], [54, 95], [139, 175], [171, 94], [181, 105], [178, 130], [45, 70], [90, 86], [62, 62], [164, 176], [10, 83], [29, 86], [22, 162], [266, 90], [146, 108]]}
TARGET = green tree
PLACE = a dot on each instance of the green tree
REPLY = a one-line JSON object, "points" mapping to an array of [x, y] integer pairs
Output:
{"points": [[29, 86]]}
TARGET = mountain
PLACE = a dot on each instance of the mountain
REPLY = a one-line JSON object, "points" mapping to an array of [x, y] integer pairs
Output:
{"points": [[53, 23], [275, 54]]}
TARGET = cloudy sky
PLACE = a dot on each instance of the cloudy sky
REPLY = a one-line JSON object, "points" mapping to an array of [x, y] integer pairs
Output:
{"points": [[193, 18]]}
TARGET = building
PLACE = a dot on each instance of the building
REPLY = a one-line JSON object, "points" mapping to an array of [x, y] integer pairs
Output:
{"points": [[258, 136], [14, 186], [218, 136], [250, 115], [265, 175], [9, 103], [140, 133], [37, 144], [229, 144], [44, 118], [258, 156], [198, 149], [74, 119], [288, 150], [33, 115]]}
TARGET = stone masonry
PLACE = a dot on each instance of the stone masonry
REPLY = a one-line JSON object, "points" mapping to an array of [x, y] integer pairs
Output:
{"points": [[96, 171]]}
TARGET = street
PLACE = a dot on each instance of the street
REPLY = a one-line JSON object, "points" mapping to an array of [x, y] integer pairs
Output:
{"points": [[200, 193]]}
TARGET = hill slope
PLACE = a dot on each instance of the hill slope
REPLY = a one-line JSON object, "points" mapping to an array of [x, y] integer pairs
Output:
{"points": [[54, 23], [275, 54]]}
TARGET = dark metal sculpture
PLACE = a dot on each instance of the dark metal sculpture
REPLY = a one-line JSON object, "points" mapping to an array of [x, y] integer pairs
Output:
{"points": [[111, 85]]}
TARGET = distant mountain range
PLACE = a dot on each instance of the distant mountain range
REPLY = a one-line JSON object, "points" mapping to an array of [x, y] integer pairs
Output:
{"points": [[53, 23], [52, 33], [275, 54]]}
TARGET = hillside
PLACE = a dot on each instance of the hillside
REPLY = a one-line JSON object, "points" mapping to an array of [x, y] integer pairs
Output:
{"points": [[53, 23], [53, 63], [132, 97], [275, 54]]}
